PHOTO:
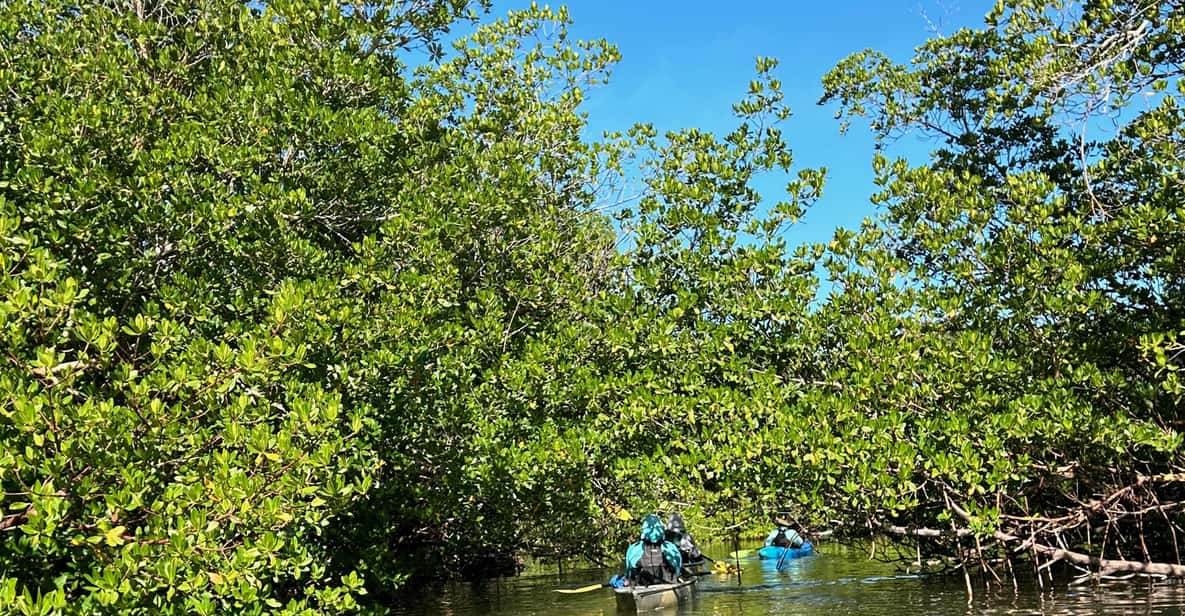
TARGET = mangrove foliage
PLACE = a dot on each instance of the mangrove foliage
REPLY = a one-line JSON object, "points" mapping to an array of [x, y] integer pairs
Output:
{"points": [[301, 300]]}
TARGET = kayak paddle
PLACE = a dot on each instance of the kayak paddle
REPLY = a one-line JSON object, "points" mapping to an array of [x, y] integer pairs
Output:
{"points": [[590, 587], [785, 551]]}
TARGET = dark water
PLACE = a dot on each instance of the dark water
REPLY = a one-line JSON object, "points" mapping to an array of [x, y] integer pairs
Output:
{"points": [[837, 581]]}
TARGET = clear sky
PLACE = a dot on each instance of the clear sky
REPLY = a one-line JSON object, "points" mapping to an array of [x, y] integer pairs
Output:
{"points": [[685, 62]]}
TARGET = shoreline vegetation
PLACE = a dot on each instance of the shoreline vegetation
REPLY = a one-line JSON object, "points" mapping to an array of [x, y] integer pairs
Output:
{"points": [[300, 303]]}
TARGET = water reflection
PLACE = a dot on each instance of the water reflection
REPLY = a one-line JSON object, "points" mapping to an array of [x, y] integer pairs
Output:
{"points": [[836, 582]]}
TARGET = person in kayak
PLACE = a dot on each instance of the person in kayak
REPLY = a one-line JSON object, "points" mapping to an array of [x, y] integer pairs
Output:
{"points": [[653, 560], [693, 558], [785, 535]]}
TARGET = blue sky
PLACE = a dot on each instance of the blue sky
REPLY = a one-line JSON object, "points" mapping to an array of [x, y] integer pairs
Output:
{"points": [[685, 63]]}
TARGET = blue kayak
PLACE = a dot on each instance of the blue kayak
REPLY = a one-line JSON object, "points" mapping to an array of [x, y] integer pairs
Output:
{"points": [[773, 552]]}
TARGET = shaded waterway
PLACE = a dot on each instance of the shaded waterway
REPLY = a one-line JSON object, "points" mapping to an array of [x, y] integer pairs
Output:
{"points": [[837, 581]]}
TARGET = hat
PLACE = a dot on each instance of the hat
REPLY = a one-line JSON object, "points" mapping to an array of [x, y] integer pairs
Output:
{"points": [[652, 529], [676, 524]]}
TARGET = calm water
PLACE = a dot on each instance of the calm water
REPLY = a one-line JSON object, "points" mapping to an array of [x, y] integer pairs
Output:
{"points": [[837, 581]]}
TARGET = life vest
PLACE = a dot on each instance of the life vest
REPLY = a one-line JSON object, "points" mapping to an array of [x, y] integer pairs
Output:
{"points": [[782, 541], [653, 567], [692, 555]]}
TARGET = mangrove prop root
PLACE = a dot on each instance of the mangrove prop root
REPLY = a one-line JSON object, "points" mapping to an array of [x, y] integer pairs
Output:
{"points": [[1102, 566]]}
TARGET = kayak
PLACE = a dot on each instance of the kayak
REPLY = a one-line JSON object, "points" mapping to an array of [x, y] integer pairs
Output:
{"points": [[773, 552], [640, 599]]}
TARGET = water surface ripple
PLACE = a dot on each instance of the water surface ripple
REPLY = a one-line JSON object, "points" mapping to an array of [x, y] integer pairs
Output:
{"points": [[838, 581]]}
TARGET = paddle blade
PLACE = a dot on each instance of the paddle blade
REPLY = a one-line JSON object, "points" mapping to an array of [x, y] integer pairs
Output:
{"points": [[573, 591]]}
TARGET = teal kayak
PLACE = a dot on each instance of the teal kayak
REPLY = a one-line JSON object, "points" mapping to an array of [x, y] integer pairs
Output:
{"points": [[773, 552]]}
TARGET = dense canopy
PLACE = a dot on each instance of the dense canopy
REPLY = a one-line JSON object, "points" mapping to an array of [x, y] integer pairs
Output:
{"points": [[301, 299]]}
